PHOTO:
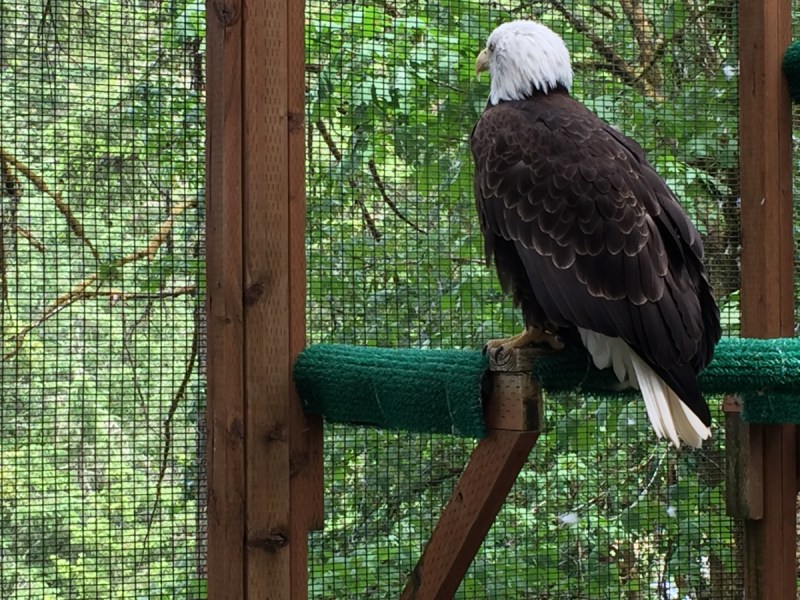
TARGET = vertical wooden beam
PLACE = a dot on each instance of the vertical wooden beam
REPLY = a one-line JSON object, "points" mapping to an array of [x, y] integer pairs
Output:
{"points": [[305, 443], [744, 464], [266, 299], [765, 142], [259, 445], [224, 407], [767, 297]]}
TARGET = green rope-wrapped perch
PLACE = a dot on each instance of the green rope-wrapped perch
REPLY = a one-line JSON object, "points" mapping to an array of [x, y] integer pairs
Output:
{"points": [[436, 391], [439, 391], [791, 68]]}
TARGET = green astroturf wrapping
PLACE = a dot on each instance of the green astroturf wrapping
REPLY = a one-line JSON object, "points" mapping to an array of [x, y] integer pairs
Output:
{"points": [[438, 391], [791, 68]]}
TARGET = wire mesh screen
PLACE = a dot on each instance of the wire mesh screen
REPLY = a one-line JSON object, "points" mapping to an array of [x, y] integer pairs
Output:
{"points": [[395, 258], [101, 311]]}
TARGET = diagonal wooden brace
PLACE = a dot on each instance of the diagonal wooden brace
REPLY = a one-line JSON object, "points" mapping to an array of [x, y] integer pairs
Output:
{"points": [[513, 416]]}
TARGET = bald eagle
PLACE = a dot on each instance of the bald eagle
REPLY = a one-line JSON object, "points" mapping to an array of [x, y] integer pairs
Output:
{"points": [[587, 239]]}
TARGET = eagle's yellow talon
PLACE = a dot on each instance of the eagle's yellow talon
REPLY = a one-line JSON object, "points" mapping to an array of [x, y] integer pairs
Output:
{"points": [[530, 335]]}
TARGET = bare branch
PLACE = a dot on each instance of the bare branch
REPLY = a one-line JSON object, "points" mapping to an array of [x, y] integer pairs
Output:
{"points": [[323, 131], [438, 82], [712, 58], [376, 178], [81, 291], [180, 393], [618, 65], [116, 296], [590, 65], [662, 45], [634, 11], [73, 222], [30, 237], [368, 219], [128, 332], [609, 13], [359, 201], [10, 194], [158, 239]]}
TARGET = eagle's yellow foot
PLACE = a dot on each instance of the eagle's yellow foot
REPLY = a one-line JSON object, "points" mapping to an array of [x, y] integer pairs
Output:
{"points": [[530, 335]]}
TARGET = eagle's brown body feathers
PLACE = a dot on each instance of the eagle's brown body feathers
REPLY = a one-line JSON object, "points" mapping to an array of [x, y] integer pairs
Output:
{"points": [[586, 235]]}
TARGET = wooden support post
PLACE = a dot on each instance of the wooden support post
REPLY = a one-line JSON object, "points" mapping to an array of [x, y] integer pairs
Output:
{"points": [[744, 477], [514, 417], [225, 342], [264, 457], [305, 442], [767, 297], [265, 187]]}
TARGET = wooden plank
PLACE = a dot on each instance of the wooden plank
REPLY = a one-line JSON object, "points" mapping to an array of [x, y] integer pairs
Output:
{"points": [[478, 497], [770, 544], [315, 472], [305, 441], [515, 404], [797, 464], [767, 279], [224, 407], [266, 300], [744, 478], [767, 298], [514, 418], [520, 360]]}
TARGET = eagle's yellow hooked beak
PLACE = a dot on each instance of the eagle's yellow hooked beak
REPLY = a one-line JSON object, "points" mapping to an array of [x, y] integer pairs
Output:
{"points": [[482, 63]]}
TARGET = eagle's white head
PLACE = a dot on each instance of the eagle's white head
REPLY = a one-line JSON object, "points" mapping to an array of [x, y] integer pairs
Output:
{"points": [[523, 56]]}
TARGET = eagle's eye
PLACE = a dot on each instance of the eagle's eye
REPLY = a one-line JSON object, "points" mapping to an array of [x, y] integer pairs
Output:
{"points": [[491, 47]]}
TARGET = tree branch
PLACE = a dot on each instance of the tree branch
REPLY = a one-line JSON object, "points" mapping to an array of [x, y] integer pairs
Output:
{"points": [[73, 222], [712, 58], [373, 228], [81, 292], [376, 178], [440, 83], [24, 233], [180, 393], [10, 195], [359, 201], [661, 46], [323, 131], [115, 296], [618, 65], [645, 39], [387, 512], [126, 350]]}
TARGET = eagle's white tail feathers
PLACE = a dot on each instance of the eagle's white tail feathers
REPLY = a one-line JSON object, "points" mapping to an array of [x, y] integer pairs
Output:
{"points": [[669, 416], [694, 423], [610, 352], [658, 398]]}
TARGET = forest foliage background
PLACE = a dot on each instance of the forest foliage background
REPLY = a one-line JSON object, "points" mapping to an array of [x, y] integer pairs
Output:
{"points": [[102, 315]]}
